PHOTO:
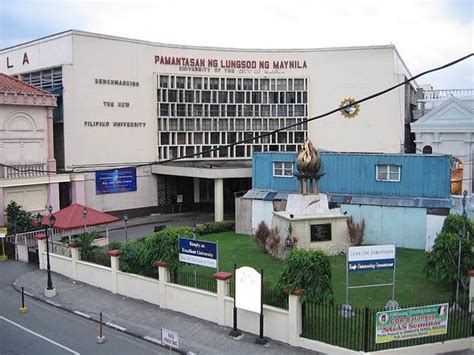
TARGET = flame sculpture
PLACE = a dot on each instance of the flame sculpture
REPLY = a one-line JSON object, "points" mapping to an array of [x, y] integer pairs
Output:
{"points": [[308, 163]]}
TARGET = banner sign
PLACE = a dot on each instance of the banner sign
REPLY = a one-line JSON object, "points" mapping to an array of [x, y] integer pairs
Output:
{"points": [[3, 232], [198, 252], [116, 180], [409, 323], [370, 258], [248, 289], [169, 338]]}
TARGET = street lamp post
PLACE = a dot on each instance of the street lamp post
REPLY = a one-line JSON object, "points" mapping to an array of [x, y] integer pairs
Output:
{"points": [[50, 291], [84, 212], [464, 217], [125, 219]]}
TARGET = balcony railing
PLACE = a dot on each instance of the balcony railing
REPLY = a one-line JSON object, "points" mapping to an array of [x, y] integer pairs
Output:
{"points": [[22, 171], [441, 95]]}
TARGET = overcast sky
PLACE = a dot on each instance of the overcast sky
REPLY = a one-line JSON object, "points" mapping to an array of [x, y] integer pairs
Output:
{"points": [[427, 33]]}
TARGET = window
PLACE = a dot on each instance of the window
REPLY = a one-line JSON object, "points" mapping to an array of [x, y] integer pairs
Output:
{"points": [[163, 81], [180, 80], [283, 168], [388, 172]]}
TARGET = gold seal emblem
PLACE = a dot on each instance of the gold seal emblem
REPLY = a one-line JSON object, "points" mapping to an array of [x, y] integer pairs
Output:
{"points": [[349, 111]]}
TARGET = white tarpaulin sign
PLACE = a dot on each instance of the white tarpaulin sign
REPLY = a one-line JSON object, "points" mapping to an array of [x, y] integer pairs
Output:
{"points": [[368, 258], [248, 289], [169, 338]]}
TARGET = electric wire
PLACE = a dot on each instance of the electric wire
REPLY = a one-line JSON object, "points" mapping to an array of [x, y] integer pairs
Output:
{"points": [[253, 138]]}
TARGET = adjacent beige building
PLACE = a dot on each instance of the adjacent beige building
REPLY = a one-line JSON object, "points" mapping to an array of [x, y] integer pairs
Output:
{"points": [[131, 103]]}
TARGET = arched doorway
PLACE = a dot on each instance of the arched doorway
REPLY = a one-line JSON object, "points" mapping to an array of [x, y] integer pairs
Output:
{"points": [[427, 149]]}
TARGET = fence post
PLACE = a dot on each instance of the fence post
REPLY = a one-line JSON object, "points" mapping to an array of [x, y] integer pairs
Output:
{"points": [[41, 238], [366, 329], [221, 278], [471, 289], [75, 256], [163, 275], [114, 266], [295, 318]]}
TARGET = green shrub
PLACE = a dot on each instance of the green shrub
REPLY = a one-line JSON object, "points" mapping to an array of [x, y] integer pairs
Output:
{"points": [[114, 245], [215, 227], [97, 255], [18, 219], [130, 258], [310, 272], [442, 262], [454, 224]]}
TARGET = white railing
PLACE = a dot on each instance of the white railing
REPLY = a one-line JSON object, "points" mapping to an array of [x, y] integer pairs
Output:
{"points": [[59, 248], [28, 238], [441, 95], [23, 171]]}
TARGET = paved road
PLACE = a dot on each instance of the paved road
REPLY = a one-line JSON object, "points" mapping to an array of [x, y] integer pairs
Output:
{"points": [[48, 330], [138, 231]]}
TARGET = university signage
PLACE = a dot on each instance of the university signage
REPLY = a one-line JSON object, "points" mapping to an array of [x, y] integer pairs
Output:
{"points": [[198, 252], [116, 180], [370, 258], [409, 323]]}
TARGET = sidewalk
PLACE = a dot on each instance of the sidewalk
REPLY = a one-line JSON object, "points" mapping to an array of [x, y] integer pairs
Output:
{"points": [[145, 320]]}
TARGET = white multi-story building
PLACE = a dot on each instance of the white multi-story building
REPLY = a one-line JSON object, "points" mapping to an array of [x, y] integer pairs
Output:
{"points": [[135, 104]]}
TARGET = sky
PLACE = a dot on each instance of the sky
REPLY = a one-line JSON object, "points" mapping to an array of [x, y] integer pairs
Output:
{"points": [[427, 33]]}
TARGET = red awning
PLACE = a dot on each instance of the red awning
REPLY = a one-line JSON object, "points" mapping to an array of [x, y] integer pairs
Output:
{"points": [[72, 217]]}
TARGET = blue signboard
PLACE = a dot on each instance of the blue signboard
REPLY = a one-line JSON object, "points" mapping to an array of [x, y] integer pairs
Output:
{"points": [[198, 252], [116, 180], [371, 265]]}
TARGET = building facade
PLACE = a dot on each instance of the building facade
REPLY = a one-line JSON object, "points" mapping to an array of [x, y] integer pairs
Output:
{"points": [[446, 126], [27, 164], [130, 103]]}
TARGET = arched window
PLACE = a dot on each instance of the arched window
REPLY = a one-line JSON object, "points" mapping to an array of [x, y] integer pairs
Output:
{"points": [[427, 149]]}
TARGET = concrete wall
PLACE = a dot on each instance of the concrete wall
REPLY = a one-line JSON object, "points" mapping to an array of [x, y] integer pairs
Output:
{"points": [[281, 325], [145, 196], [261, 211], [243, 216], [434, 224], [405, 227]]}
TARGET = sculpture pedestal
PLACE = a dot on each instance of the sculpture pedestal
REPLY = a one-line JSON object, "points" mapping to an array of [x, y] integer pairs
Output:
{"points": [[314, 225]]}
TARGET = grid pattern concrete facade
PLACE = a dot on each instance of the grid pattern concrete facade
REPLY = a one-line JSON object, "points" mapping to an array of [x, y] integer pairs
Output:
{"points": [[198, 113]]}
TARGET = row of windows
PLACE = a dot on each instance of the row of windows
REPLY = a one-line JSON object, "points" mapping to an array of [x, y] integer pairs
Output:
{"points": [[174, 138], [384, 172], [224, 124], [197, 110], [235, 152], [238, 97], [44, 79], [198, 83]]}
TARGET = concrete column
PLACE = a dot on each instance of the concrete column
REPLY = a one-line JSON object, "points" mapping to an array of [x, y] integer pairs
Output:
{"points": [[163, 275], [471, 290], [218, 200], [2, 212], [222, 292], [197, 191], [41, 238], [295, 324], [78, 189], [50, 138], [53, 196], [114, 266], [75, 256]]}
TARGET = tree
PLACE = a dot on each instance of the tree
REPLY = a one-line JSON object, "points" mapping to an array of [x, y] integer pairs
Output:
{"points": [[442, 262], [308, 271], [18, 219]]}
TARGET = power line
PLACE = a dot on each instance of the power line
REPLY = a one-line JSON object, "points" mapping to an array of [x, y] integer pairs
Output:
{"points": [[251, 139]]}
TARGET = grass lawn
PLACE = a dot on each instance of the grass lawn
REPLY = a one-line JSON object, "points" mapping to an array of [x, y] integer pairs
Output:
{"points": [[412, 286]]}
